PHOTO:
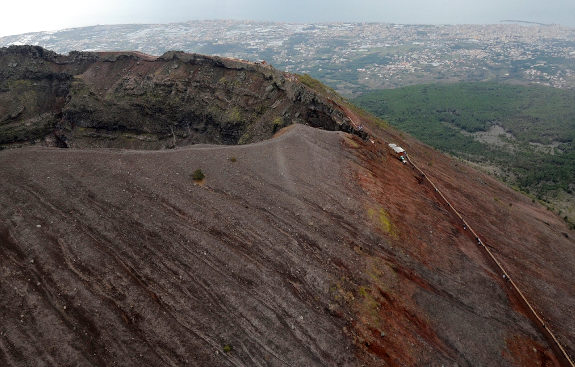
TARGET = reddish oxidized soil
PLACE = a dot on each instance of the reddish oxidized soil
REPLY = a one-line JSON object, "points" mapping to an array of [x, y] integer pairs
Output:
{"points": [[533, 245], [314, 248]]}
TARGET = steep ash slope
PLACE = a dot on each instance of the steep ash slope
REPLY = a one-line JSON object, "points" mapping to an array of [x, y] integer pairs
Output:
{"points": [[314, 248], [120, 257], [534, 245], [144, 102]]}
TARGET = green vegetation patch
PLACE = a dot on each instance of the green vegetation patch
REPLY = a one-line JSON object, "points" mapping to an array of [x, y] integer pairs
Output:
{"points": [[198, 175], [535, 150], [382, 219], [234, 115], [315, 84], [227, 348]]}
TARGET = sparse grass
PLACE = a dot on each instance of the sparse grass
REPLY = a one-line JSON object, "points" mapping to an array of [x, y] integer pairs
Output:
{"points": [[233, 159], [314, 84], [350, 142], [341, 291], [363, 114], [277, 123], [382, 219], [382, 280], [234, 115], [227, 348], [261, 109], [198, 175], [245, 138]]}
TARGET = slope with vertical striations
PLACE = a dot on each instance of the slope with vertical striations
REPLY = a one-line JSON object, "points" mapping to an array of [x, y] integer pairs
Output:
{"points": [[131, 100], [315, 248]]}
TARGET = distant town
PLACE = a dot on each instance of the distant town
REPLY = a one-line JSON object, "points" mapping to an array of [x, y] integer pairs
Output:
{"points": [[350, 57]]}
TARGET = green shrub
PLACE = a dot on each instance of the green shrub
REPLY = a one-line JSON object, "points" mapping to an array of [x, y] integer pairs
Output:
{"points": [[198, 175]]}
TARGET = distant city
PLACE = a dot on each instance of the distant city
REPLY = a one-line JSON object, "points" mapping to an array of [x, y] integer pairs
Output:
{"points": [[350, 57]]}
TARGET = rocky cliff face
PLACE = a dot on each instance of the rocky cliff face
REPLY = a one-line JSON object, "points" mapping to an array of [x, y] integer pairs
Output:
{"points": [[313, 248], [132, 100]]}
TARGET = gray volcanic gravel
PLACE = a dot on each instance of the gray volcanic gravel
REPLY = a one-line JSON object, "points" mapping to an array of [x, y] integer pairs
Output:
{"points": [[119, 257], [314, 248]]}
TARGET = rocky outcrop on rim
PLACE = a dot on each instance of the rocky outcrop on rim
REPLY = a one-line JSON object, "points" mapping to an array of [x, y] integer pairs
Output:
{"points": [[133, 100]]}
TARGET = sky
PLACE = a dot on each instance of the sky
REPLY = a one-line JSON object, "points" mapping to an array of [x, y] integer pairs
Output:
{"points": [[21, 16]]}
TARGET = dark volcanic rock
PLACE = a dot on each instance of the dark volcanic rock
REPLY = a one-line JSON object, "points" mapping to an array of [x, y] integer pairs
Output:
{"points": [[313, 248], [138, 101], [300, 251]]}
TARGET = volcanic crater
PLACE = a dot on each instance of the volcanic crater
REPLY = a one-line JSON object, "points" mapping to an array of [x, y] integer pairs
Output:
{"points": [[306, 243]]}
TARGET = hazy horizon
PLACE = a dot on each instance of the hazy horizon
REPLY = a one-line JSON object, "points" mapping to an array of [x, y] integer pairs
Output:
{"points": [[35, 16]]}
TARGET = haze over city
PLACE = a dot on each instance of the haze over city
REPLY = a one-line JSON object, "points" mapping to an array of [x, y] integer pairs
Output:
{"points": [[218, 183], [33, 16]]}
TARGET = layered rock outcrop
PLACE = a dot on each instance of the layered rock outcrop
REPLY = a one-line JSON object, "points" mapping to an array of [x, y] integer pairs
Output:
{"points": [[133, 100]]}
